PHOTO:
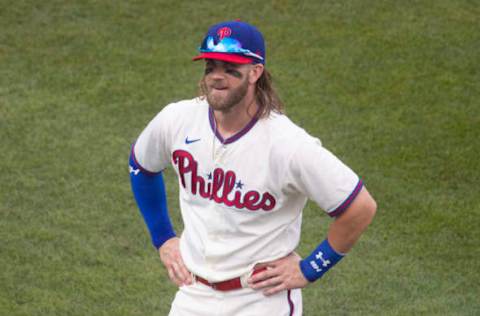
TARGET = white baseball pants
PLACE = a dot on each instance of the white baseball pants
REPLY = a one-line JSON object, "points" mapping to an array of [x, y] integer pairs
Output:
{"points": [[201, 300]]}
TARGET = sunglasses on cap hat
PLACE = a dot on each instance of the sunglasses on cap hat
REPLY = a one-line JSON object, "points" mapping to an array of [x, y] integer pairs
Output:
{"points": [[233, 41]]}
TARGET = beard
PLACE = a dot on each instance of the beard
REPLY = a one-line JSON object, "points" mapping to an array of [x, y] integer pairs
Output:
{"points": [[224, 100]]}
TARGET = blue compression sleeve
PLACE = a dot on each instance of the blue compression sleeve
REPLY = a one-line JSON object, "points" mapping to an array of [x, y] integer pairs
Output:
{"points": [[319, 261], [149, 192]]}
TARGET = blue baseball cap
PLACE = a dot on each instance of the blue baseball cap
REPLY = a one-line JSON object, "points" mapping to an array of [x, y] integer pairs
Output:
{"points": [[233, 41]]}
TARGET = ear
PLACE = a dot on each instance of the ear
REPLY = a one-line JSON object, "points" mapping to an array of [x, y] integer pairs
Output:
{"points": [[255, 73]]}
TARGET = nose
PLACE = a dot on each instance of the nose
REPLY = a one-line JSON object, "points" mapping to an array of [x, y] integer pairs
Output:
{"points": [[217, 74]]}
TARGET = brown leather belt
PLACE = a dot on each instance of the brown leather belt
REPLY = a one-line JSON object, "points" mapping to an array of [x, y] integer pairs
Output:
{"points": [[228, 285]]}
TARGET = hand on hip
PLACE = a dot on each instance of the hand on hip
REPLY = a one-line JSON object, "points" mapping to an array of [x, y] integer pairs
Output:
{"points": [[173, 262]]}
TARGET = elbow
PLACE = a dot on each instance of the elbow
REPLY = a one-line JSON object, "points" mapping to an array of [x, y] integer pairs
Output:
{"points": [[369, 207], [360, 214], [366, 215], [366, 212], [371, 210]]}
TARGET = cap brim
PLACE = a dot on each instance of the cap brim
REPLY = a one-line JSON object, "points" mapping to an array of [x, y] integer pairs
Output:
{"points": [[231, 58]]}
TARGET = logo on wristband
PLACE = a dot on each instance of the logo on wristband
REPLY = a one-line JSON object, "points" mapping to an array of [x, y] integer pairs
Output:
{"points": [[315, 266], [319, 256]]}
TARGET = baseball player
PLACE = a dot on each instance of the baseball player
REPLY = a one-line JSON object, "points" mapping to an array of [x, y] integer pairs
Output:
{"points": [[245, 172]]}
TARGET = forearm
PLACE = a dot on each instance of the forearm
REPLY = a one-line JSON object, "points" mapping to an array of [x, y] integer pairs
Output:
{"points": [[342, 235], [149, 193]]}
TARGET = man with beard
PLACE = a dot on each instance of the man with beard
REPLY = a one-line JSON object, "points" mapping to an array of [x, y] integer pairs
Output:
{"points": [[245, 173]]}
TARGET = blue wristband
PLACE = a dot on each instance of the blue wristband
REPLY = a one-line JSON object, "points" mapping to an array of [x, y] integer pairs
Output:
{"points": [[149, 192], [322, 259]]}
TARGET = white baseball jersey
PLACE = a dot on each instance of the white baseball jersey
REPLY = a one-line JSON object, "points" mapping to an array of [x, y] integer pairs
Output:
{"points": [[241, 198]]}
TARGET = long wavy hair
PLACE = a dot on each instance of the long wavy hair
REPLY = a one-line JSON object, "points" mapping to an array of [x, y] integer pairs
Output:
{"points": [[265, 94]]}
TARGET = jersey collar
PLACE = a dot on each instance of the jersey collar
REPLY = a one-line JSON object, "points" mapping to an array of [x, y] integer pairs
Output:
{"points": [[235, 137]]}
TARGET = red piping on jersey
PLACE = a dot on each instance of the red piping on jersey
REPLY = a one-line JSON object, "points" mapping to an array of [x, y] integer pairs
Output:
{"points": [[235, 137], [290, 302], [339, 210]]}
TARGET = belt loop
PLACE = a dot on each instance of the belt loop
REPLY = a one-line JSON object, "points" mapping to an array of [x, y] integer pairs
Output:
{"points": [[194, 279], [244, 278]]}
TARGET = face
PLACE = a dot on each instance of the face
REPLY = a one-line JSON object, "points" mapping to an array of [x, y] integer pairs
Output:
{"points": [[225, 84]]}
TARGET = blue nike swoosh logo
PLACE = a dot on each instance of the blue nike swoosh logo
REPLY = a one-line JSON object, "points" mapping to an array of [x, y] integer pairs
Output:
{"points": [[189, 141]]}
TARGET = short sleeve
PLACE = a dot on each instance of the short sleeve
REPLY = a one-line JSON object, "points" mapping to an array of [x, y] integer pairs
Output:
{"points": [[322, 177], [151, 150]]}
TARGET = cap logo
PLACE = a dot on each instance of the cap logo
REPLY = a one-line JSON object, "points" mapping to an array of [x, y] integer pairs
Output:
{"points": [[224, 32]]}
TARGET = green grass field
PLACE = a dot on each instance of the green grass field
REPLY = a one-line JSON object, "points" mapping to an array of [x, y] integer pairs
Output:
{"points": [[391, 87]]}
